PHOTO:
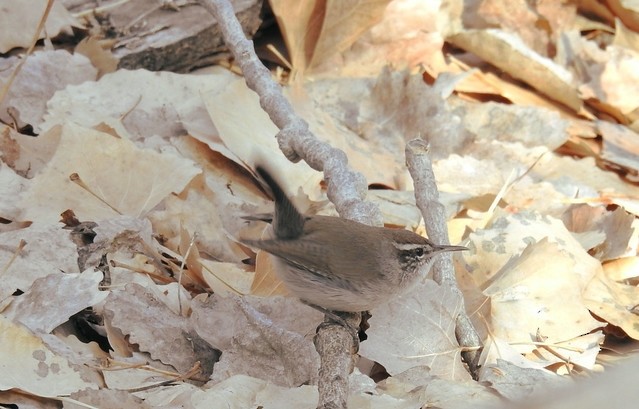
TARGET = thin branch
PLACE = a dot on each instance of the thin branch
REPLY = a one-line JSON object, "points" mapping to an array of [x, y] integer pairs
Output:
{"points": [[427, 199], [346, 188]]}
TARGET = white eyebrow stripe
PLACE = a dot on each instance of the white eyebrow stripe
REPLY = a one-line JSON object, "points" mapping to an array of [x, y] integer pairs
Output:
{"points": [[408, 246]]}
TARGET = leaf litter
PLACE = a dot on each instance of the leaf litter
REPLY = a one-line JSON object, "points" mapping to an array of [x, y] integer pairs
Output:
{"points": [[160, 163]]}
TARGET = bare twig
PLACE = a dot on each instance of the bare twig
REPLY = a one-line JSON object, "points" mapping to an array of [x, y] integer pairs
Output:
{"points": [[427, 198], [346, 188]]}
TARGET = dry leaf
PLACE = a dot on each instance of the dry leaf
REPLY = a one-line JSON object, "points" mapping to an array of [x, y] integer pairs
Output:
{"points": [[19, 19], [126, 179], [532, 126], [11, 186], [223, 278], [43, 73], [614, 302], [615, 81], [622, 269], [405, 37], [107, 399], [48, 250], [157, 329], [28, 365], [358, 38], [314, 31], [100, 57], [516, 17], [614, 228], [620, 146], [527, 292], [510, 54], [139, 105], [417, 328], [229, 108], [267, 338], [266, 283], [515, 383], [51, 300], [236, 392]]}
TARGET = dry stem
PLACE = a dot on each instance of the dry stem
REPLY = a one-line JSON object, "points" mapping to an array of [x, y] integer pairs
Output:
{"points": [[427, 199]]}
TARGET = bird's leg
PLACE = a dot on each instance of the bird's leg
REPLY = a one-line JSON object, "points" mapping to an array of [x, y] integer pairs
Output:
{"points": [[333, 315]]}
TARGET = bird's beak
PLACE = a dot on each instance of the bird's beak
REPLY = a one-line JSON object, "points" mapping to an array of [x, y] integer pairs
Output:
{"points": [[445, 248]]}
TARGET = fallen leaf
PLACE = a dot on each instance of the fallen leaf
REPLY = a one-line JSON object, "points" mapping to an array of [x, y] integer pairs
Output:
{"points": [[262, 337], [48, 250], [417, 329], [157, 329], [20, 19], [127, 180], [51, 300], [43, 73], [510, 54], [28, 365]]}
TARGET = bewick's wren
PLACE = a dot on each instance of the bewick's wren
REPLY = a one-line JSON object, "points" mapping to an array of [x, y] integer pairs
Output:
{"points": [[339, 264]]}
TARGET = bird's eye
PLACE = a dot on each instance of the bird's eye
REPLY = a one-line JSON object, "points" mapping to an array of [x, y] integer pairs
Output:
{"points": [[419, 252]]}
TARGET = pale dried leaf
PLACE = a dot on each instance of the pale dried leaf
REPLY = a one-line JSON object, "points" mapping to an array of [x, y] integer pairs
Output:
{"points": [[48, 250], [254, 141], [406, 37], [139, 104], [516, 17], [44, 73], [100, 57], [157, 329], [528, 290], [19, 19], [417, 329], [615, 227], [378, 161], [266, 282], [11, 186], [516, 383], [300, 37], [268, 338], [241, 391], [343, 23], [497, 349], [26, 154], [620, 145], [585, 182], [27, 364], [368, 400], [128, 179], [510, 54], [531, 126], [622, 269], [223, 278], [614, 302], [625, 37], [137, 370], [615, 82], [450, 394], [106, 399], [24, 401], [197, 213], [398, 207], [224, 192], [51, 300], [580, 353]]}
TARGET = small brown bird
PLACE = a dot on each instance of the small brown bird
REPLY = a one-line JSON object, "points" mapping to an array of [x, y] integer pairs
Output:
{"points": [[339, 264]]}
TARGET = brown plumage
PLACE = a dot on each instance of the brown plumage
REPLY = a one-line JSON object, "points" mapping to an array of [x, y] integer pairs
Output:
{"points": [[340, 264]]}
